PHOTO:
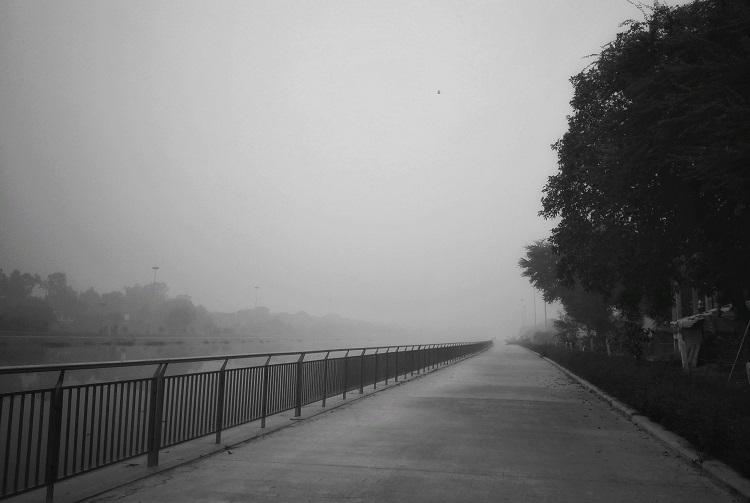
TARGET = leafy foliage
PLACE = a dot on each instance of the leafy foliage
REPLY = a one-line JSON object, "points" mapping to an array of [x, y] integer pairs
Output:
{"points": [[588, 308], [653, 177], [27, 302]]}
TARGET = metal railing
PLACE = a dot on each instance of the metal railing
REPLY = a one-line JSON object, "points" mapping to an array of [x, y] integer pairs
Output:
{"points": [[48, 435]]}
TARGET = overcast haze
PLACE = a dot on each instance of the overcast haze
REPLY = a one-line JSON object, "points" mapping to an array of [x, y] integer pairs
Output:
{"points": [[298, 146]]}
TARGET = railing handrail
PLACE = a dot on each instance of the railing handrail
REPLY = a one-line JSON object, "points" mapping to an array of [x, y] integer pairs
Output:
{"points": [[24, 369], [88, 426]]}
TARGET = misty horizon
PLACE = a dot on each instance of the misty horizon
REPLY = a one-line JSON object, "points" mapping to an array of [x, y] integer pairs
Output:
{"points": [[304, 149]]}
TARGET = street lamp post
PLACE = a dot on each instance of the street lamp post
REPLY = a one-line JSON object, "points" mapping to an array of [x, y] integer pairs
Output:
{"points": [[153, 293]]}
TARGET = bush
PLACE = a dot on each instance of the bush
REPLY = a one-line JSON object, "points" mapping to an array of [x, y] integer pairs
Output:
{"points": [[713, 416]]}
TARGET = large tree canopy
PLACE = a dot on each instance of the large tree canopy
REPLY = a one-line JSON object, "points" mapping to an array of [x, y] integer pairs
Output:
{"points": [[653, 184], [588, 308]]}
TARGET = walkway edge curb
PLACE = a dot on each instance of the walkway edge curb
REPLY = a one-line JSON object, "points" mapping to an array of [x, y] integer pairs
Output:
{"points": [[721, 473]]}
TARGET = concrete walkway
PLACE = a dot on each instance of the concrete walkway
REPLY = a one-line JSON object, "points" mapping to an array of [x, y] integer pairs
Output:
{"points": [[503, 426]]}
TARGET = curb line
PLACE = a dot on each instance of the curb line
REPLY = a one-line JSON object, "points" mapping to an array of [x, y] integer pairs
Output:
{"points": [[719, 472]]}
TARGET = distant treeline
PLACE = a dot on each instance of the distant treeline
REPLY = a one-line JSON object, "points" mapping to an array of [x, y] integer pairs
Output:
{"points": [[30, 302]]}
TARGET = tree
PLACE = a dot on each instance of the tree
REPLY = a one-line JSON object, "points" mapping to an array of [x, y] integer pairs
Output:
{"points": [[180, 313], [653, 185], [591, 309], [62, 297], [20, 308]]}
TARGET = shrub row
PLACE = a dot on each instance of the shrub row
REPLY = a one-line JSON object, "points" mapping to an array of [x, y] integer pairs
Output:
{"points": [[713, 416]]}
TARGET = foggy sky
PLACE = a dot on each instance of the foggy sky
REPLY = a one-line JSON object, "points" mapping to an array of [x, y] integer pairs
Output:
{"points": [[298, 146]]}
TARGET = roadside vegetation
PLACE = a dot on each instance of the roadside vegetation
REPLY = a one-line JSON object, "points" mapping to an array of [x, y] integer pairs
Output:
{"points": [[651, 204], [698, 406]]}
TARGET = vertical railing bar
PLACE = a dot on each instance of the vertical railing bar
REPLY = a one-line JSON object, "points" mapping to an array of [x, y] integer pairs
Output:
{"points": [[112, 423], [229, 398], [257, 392], [238, 397], [264, 394], [28, 440], [219, 412], [212, 397], [38, 456], [168, 415], [133, 416], [6, 468], [185, 415], [395, 364], [188, 379], [134, 413], [375, 370], [195, 406], [67, 432], [97, 458], [245, 394], [117, 416], [208, 386], [190, 406], [362, 372], [19, 442], [39, 437], [209, 407], [200, 404], [171, 399], [106, 426], [121, 416], [198, 408], [181, 419], [155, 415], [325, 378], [387, 367], [177, 413], [125, 411], [419, 355], [139, 409], [84, 430], [346, 373], [128, 446], [187, 399], [298, 387], [2, 404], [53, 437]]}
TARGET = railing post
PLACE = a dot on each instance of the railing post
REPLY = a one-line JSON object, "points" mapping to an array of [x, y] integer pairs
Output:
{"points": [[298, 389], [375, 373], [53, 437], [264, 393], [346, 373], [325, 378], [395, 373], [220, 401], [362, 372], [154, 415], [413, 362], [387, 352]]}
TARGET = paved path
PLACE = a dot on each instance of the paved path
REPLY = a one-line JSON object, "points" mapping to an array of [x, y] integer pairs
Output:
{"points": [[503, 426]]}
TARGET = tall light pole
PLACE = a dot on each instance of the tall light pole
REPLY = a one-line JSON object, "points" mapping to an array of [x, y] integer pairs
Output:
{"points": [[153, 293]]}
